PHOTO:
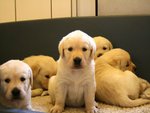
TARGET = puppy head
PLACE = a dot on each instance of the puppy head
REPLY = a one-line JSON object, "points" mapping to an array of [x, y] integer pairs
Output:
{"points": [[103, 45], [77, 49], [43, 67], [120, 59], [15, 81]]}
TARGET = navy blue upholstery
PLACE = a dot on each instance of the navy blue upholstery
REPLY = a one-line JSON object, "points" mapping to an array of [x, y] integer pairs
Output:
{"points": [[132, 33]]}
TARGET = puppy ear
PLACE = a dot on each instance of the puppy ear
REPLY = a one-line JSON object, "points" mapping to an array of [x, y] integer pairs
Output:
{"points": [[93, 49], [110, 46], [115, 62], [35, 69], [61, 48], [31, 77]]}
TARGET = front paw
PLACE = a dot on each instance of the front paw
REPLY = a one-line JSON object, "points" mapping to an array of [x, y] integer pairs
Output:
{"points": [[45, 93], [92, 110], [56, 109]]}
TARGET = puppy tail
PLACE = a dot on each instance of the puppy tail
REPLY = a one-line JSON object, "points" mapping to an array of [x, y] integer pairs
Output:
{"points": [[127, 102]]}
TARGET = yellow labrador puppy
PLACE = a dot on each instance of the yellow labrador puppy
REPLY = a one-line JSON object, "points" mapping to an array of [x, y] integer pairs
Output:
{"points": [[15, 84], [103, 45], [74, 84], [121, 59], [43, 67], [117, 86]]}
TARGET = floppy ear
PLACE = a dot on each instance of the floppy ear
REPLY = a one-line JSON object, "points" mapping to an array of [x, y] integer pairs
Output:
{"points": [[31, 77], [110, 46], [93, 49], [35, 69], [61, 48], [115, 62]]}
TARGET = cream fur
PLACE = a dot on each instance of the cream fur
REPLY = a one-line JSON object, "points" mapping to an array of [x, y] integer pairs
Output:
{"points": [[116, 86], [74, 86], [11, 73]]}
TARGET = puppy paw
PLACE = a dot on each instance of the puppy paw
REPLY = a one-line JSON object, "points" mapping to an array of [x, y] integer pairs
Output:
{"points": [[37, 92], [56, 109], [92, 110], [96, 104], [29, 107], [146, 94], [45, 93]]}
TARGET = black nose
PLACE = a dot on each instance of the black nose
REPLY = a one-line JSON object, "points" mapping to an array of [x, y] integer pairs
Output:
{"points": [[77, 61], [16, 93]]}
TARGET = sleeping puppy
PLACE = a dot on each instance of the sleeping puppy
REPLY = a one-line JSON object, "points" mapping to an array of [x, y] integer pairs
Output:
{"points": [[43, 67], [103, 45], [117, 86], [74, 85], [15, 84], [121, 59]]}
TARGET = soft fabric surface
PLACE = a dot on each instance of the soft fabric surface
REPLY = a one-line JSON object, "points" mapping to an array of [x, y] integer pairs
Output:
{"points": [[43, 104]]}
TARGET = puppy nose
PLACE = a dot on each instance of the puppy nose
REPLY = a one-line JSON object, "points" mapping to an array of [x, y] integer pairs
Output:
{"points": [[77, 60], [16, 93]]}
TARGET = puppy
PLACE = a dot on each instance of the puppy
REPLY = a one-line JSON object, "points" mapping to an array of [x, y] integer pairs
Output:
{"points": [[74, 85], [103, 45], [119, 59], [117, 86], [43, 67], [15, 84]]}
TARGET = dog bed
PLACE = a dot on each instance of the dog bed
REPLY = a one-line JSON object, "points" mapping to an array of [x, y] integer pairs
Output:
{"points": [[43, 104]]}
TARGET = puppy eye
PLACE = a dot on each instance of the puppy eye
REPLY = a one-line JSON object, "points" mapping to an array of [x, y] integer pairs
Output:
{"points": [[7, 80], [70, 49], [84, 49], [47, 76], [22, 79], [104, 48]]}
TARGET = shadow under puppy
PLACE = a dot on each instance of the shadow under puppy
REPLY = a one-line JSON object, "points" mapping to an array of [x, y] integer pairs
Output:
{"points": [[43, 68], [15, 84], [118, 85], [103, 45], [74, 85]]}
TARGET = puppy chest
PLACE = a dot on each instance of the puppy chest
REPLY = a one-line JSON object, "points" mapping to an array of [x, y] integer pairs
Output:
{"points": [[75, 95]]}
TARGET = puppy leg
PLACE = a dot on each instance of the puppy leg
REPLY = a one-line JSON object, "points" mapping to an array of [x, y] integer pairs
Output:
{"points": [[60, 95], [144, 89], [146, 94], [125, 101], [89, 96], [29, 107], [144, 84], [45, 93], [37, 92]]}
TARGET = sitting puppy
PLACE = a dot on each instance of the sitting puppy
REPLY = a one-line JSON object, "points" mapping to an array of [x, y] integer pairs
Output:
{"points": [[15, 84], [116, 85], [74, 84], [43, 67], [103, 45]]}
